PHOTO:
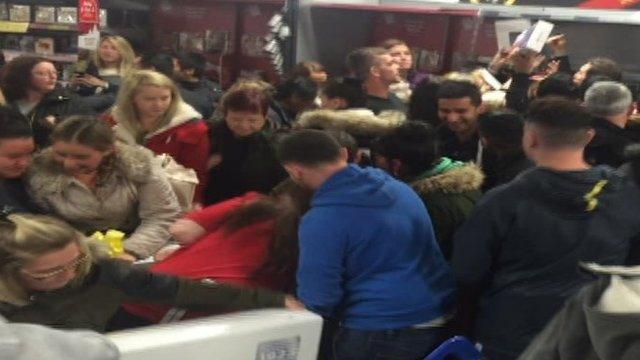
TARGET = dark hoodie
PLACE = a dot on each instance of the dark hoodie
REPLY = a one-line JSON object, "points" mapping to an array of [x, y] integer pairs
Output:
{"points": [[584, 330], [368, 255], [202, 95], [522, 244]]}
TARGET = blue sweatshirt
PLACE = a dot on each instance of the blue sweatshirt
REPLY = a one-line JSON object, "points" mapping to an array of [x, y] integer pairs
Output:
{"points": [[368, 254]]}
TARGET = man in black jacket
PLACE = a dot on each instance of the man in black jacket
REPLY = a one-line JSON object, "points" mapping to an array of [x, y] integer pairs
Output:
{"points": [[459, 105], [611, 104], [16, 148], [520, 248], [195, 88]]}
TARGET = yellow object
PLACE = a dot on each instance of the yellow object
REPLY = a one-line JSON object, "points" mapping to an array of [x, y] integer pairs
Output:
{"points": [[113, 238], [592, 197]]}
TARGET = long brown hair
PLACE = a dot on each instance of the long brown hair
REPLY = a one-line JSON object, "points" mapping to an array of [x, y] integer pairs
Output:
{"points": [[285, 206]]}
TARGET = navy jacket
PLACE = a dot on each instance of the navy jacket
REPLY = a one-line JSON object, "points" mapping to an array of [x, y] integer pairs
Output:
{"points": [[524, 240]]}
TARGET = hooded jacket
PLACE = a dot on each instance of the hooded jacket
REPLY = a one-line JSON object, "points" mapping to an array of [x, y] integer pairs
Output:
{"points": [[523, 242], [185, 138], [449, 197], [368, 254], [601, 322], [35, 342], [134, 197]]}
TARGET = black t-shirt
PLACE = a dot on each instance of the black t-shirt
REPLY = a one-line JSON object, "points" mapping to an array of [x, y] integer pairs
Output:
{"points": [[377, 104], [451, 146]]}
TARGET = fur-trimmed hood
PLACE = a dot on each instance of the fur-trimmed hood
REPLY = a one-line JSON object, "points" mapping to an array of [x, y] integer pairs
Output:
{"points": [[357, 122], [46, 176], [455, 181], [123, 127]]}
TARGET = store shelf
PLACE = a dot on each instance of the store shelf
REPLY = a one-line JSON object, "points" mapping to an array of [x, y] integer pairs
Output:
{"points": [[24, 27], [394, 8], [53, 27], [60, 57]]}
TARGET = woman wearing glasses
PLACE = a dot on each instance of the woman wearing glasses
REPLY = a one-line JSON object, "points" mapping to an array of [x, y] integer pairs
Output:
{"points": [[30, 86], [50, 274]]}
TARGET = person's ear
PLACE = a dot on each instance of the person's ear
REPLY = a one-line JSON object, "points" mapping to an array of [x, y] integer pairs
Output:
{"points": [[482, 108], [344, 154], [396, 165], [339, 103], [374, 71], [591, 133]]}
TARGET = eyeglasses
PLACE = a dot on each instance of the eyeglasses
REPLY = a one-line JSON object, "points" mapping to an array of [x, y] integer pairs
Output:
{"points": [[50, 274], [46, 74]]}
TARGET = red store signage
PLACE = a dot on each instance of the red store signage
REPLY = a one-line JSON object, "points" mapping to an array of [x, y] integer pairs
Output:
{"points": [[88, 15]]}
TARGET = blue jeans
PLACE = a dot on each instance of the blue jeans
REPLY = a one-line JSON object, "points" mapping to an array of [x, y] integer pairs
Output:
{"points": [[400, 344]]}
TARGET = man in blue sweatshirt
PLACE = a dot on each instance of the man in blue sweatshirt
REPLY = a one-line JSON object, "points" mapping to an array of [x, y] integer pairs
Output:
{"points": [[368, 255], [517, 256]]}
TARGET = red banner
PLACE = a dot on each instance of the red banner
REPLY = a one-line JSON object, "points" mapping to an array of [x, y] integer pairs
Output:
{"points": [[88, 15]]}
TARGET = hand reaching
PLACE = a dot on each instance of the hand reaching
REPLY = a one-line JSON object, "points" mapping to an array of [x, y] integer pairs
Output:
{"points": [[558, 45], [186, 231]]}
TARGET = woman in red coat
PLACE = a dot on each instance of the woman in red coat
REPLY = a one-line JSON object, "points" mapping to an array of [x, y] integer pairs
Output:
{"points": [[150, 112], [248, 240]]}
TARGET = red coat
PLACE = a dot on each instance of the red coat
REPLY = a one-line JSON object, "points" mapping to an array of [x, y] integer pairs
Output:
{"points": [[227, 257], [185, 138]]}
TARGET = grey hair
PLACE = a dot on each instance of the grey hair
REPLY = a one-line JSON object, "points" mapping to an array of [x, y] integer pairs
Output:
{"points": [[608, 98]]}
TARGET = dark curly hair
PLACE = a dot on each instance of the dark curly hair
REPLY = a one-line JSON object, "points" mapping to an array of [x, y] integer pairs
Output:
{"points": [[16, 77]]}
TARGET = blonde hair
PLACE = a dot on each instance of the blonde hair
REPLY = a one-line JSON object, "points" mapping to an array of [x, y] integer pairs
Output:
{"points": [[127, 55], [125, 110], [24, 237]]}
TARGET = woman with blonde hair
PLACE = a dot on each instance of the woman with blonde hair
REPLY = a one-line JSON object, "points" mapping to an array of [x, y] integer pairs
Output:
{"points": [[149, 111], [100, 81], [95, 184], [50, 274]]}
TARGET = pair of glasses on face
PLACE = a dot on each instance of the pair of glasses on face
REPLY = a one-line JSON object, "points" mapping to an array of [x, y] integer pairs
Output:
{"points": [[50, 274]]}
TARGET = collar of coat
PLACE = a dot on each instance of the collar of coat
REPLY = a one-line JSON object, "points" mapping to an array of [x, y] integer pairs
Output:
{"points": [[47, 177], [184, 114], [457, 180], [358, 122]]}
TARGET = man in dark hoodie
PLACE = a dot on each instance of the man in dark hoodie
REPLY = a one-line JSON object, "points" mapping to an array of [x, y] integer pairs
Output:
{"points": [[195, 89], [611, 104], [502, 156], [519, 250], [16, 148], [368, 255]]}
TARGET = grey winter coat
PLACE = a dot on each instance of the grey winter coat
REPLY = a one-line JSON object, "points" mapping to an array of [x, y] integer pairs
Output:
{"points": [[602, 322], [134, 196]]}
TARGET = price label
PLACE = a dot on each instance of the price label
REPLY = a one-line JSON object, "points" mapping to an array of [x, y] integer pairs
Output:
{"points": [[14, 27]]}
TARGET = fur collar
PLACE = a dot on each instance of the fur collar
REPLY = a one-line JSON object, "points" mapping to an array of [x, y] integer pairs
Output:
{"points": [[184, 114], [454, 181], [46, 177], [358, 122]]}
